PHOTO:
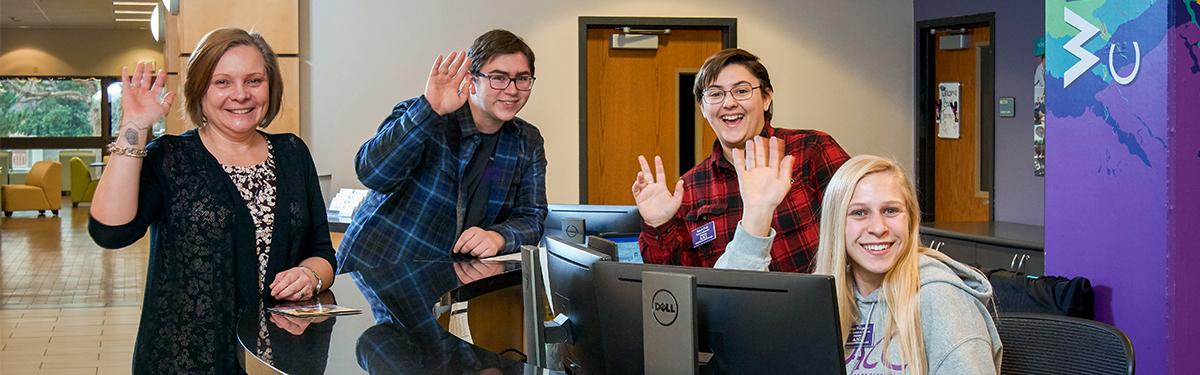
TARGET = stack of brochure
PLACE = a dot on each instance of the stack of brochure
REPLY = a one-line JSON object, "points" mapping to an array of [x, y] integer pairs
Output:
{"points": [[346, 201], [314, 310]]}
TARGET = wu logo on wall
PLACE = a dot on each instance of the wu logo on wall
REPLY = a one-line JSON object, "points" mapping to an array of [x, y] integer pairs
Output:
{"points": [[1087, 59]]}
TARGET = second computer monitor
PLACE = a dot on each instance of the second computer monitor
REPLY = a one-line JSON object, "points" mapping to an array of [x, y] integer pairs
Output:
{"points": [[569, 268], [752, 322], [598, 219]]}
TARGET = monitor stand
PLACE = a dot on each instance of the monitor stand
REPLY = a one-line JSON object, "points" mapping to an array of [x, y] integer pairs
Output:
{"points": [[669, 323]]}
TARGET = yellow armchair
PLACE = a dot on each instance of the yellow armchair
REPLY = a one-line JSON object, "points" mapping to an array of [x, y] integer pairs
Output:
{"points": [[82, 184], [42, 190]]}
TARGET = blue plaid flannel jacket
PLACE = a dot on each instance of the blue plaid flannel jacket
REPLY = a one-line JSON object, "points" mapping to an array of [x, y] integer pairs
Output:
{"points": [[413, 166]]}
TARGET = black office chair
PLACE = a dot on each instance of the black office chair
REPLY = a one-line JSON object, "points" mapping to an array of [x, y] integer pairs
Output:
{"points": [[1050, 344]]}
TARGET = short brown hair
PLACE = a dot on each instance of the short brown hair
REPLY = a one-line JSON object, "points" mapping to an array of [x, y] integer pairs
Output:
{"points": [[494, 43], [204, 60], [713, 65]]}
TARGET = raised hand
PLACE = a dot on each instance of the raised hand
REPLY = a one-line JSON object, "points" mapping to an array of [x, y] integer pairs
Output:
{"points": [[445, 90], [140, 92], [655, 202], [764, 178]]}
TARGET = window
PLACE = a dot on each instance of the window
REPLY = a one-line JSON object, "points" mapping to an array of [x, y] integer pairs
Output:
{"points": [[53, 107], [54, 113]]}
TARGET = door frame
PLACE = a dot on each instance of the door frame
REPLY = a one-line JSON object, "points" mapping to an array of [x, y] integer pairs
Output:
{"points": [[728, 27], [924, 131]]}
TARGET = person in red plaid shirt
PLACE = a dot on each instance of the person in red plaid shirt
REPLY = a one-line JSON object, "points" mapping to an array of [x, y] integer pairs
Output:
{"points": [[691, 225]]}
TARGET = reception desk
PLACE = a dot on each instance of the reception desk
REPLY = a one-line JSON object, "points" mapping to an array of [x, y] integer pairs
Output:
{"points": [[436, 316]]}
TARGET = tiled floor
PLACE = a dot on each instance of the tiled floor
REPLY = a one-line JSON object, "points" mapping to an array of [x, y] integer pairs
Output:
{"points": [[67, 306]]}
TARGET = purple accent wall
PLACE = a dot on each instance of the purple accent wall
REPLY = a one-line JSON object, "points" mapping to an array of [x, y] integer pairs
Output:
{"points": [[1019, 23], [1123, 172], [1184, 187]]}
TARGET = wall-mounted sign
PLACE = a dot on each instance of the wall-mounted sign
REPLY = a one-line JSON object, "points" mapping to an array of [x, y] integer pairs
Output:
{"points": [[1007, 107]]}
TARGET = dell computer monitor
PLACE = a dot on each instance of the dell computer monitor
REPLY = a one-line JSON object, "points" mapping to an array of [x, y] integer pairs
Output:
{"points": [[751, 322], [598, 219], [569, 266]]}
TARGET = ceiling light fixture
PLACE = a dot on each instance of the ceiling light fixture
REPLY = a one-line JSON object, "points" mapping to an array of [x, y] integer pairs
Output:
{"points": [[132, 20], [158, 23], [136, 3], [132, 12]]}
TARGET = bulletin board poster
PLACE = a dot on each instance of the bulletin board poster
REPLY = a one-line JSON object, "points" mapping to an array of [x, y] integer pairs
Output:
{"points": [[947, 110]]}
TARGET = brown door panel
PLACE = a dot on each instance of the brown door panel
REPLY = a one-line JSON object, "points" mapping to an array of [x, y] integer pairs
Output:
{"points": [[632, 107], [956, 161]]}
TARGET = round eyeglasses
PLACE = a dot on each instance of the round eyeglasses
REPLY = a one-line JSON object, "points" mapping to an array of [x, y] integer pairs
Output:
{"points": [[715, 95]]}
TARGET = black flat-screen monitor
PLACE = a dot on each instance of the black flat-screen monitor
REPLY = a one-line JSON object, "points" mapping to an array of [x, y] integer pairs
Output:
{"points": [[598, 219], [569, 266], [751, 322]]}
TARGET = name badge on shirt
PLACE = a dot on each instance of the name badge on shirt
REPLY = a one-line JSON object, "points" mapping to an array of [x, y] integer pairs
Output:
{"points": [[704, 234], [861, 335]]}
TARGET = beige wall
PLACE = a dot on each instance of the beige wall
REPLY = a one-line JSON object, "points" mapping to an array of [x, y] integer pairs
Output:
{"points": [[844, 67], [82, 52]]}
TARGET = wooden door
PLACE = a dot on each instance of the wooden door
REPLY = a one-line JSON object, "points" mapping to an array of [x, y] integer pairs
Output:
{"points": [[957, 185], [633, 108]]}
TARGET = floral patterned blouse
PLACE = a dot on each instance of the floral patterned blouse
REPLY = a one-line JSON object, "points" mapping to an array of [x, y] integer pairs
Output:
{"points": [[257, 185]]}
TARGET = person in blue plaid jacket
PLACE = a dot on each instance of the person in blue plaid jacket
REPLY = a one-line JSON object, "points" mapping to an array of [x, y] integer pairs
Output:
{"points": [[454, 170]]}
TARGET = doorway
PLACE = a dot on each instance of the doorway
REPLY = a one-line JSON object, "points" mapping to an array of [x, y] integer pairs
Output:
{"points": [[955, 118], [635, 83]]}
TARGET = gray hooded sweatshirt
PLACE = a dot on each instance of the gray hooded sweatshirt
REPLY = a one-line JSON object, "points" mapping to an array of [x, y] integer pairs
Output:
{"points": [[960, 336]]}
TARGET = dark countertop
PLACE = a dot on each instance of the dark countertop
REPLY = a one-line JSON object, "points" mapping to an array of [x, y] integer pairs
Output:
{"points": [[997, 233], [398, 330]]}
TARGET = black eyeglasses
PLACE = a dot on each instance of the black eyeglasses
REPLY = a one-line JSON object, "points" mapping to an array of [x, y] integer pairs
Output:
{"points": [[501, 81], [715, 95]]}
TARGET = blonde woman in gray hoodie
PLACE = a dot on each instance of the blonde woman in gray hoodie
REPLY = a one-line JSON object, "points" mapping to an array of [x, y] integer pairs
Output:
{"points": [[905, 309]]}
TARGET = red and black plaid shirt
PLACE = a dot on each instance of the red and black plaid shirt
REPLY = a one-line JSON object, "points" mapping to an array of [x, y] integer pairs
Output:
{"points": [[710, 194]]}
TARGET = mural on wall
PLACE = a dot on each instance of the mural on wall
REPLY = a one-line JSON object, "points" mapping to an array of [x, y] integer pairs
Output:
{"points": [[1101, 63], [1039, 108], [1119, 73]]}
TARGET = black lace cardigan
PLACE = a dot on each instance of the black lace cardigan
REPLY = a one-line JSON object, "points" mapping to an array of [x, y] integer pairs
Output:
{"points": [[202, 267]]}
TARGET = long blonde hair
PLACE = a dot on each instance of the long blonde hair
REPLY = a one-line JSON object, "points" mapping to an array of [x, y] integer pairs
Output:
{"points": [[901, 284]]}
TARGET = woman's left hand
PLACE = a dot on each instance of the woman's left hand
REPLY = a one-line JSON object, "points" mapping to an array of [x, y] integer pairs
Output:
{"points": [[293, 284]]}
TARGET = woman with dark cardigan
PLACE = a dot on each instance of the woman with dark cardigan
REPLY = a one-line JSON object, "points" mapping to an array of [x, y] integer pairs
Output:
{"points": [[235, 215]]}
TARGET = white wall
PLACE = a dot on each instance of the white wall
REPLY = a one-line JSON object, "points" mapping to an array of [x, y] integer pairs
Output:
{"points": [[844, 67]]}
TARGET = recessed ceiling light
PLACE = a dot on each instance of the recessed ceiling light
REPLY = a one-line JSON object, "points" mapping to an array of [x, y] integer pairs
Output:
{"points": [[132, 12], [132, 20], [23, 27], [138, 3]]}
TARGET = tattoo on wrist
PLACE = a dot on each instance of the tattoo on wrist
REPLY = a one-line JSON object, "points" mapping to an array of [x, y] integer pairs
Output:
{"points": [[131, 136]]}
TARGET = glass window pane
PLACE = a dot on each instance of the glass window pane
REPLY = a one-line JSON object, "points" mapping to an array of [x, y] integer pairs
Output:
{"points": [[49, 107], [15, 164], [114, 106]]}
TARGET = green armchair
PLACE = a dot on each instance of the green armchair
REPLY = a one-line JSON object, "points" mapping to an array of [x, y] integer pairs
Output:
{"points": [[83, 187]]}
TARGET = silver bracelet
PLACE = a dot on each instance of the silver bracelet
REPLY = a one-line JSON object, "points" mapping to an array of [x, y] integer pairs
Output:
{"points": [[133, 152], [317, 289]]}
